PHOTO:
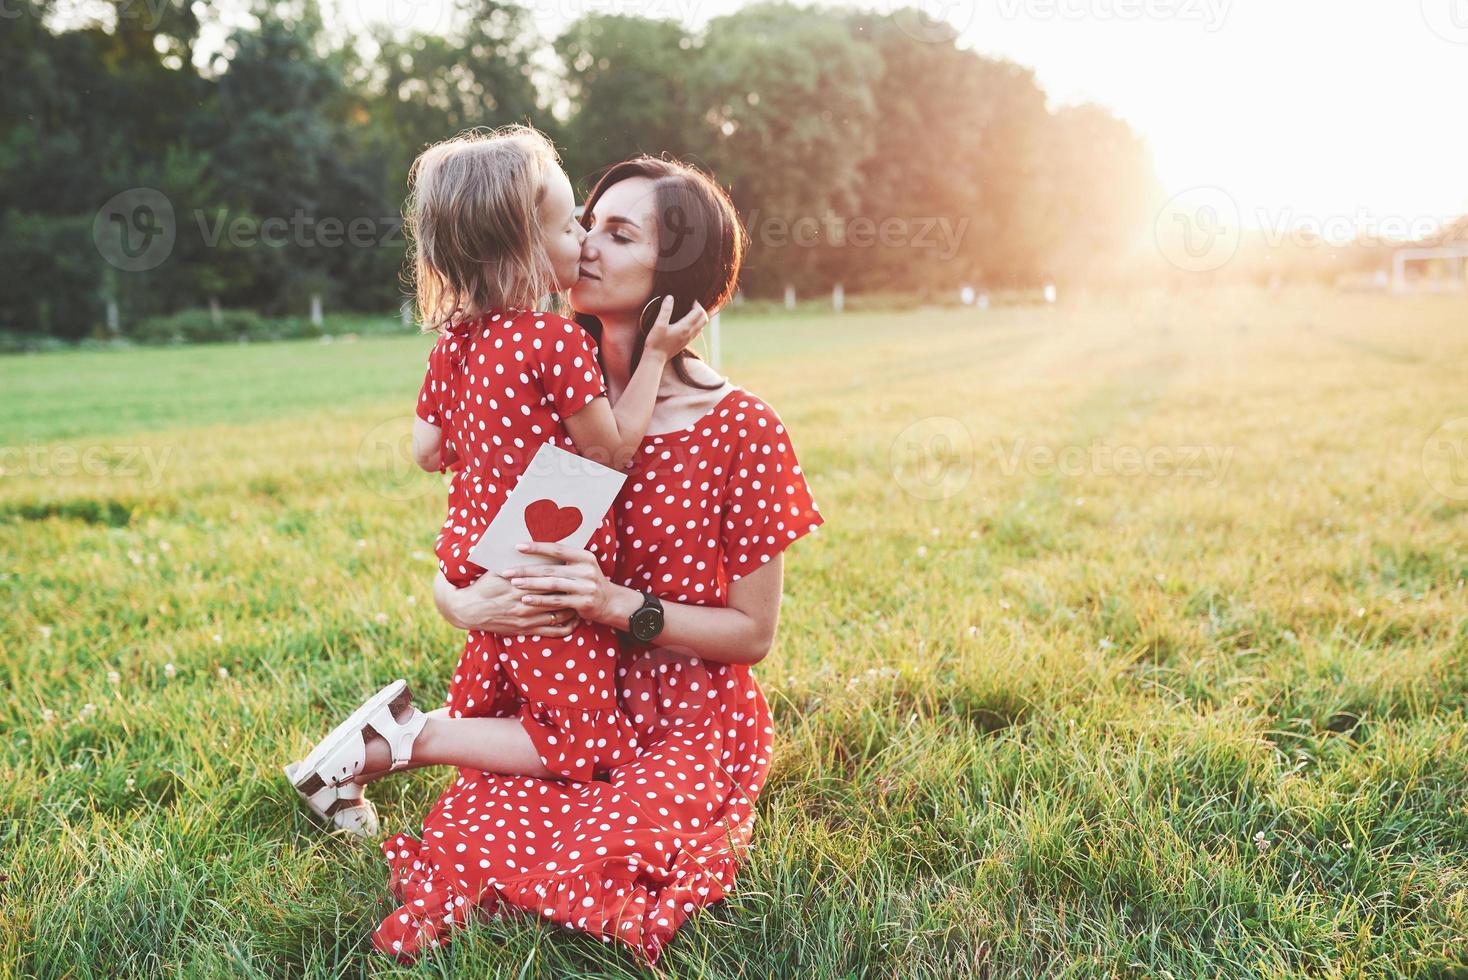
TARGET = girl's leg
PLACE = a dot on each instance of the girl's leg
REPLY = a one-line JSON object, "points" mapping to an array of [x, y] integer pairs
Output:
{"points": [[491, 744]]}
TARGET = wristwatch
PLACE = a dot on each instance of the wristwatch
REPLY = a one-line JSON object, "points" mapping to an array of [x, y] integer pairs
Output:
{"points": [[647, 621]]}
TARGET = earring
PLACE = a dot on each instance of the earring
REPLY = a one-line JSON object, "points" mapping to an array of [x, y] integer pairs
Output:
{"points": [[643, 321]]}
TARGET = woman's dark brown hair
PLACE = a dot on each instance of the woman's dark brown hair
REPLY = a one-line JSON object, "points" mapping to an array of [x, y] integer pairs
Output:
{"points": [[700, 243]]}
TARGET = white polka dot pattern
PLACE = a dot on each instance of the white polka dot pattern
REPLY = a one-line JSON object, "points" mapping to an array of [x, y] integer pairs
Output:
{"points": [[628, 859], [499, 387], [726, 493]]}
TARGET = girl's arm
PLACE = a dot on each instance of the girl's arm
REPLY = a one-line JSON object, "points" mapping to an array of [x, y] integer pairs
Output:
{"points": [[740, 633], [428, 446], [611, 435]]}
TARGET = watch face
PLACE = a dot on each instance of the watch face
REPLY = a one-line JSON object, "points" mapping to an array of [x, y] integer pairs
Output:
{"points": [[646, 623]]}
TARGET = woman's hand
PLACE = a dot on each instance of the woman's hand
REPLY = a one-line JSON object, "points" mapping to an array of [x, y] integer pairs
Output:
{"points": [[492, 604], [577, 584]]}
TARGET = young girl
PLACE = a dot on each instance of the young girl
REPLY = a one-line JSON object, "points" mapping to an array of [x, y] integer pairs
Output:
{"points": [[493, 221]]}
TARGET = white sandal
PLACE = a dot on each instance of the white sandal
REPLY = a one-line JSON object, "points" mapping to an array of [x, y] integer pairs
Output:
{"points": [[339, 807], [339, 757]]}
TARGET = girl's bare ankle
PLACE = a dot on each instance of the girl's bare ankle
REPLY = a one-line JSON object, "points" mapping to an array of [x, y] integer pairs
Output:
{"points": [[378, 760]]}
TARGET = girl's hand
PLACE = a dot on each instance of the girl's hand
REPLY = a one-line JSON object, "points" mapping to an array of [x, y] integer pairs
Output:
{"points": [[577, 584], [491, 604], [668, 339]]}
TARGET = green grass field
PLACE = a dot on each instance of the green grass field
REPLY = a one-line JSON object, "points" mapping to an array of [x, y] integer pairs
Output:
{"points": [[1134, 645]]}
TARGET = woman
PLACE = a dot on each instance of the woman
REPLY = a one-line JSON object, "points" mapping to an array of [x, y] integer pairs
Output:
{"points": [[714, 495]]}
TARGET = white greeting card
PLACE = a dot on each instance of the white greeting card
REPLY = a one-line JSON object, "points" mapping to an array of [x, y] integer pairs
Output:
{"points": [[560, 497]]}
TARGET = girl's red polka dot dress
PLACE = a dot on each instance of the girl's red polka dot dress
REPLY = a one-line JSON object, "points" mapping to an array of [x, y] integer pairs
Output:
{"points": [[499, 386], [629, 859]]}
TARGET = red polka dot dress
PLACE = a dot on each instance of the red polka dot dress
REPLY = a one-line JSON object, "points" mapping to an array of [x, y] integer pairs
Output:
{"points": [[498, 387], [629, 859]]}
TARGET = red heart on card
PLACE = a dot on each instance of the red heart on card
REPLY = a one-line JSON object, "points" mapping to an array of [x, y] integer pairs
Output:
{"points": [[547, 522]]}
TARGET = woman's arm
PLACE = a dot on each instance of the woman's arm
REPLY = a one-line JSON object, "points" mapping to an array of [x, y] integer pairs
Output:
{"points": [[740, 633], [490, 603]]}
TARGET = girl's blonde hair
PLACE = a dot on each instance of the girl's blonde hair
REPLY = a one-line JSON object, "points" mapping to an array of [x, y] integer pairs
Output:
{"points": [[473, 224]]}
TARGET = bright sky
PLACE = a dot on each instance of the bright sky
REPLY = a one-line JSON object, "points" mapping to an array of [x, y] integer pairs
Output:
{"points": [[1299, 110], [1309, 109]]}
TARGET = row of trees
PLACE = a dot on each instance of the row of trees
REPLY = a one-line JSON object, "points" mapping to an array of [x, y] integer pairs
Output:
{"points": [[139, 170]]}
